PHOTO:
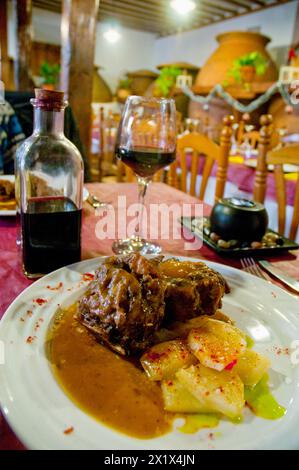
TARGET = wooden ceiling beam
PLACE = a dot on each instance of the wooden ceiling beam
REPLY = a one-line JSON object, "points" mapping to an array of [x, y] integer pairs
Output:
{"points": [[266, 7], [45, 5], [136, 16], [238, 4], [129, 7], [117, 7], [151, 11], [209, 12], [258, 2], [220, 7]]}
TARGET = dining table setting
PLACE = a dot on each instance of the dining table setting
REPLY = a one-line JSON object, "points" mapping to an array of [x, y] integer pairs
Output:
{"points": [[13, 281], [170, 323]]}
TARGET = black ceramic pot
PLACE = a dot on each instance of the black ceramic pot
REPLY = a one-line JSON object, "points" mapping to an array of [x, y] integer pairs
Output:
{"points": [[239, 219]]}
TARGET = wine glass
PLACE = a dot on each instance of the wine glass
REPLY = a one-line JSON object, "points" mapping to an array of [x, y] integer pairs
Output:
{"points": [[146, 142]]}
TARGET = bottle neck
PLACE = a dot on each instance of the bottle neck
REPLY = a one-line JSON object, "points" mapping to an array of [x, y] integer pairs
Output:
{"points": [[48, 122]]}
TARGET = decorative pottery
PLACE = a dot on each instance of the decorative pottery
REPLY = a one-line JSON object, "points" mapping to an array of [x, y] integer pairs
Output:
{"points": [[101, 92], [141, 80], [233, 45]]}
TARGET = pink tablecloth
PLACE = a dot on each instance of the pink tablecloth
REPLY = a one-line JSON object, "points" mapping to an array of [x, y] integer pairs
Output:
{"points": [[12, 281], [243, 177]]}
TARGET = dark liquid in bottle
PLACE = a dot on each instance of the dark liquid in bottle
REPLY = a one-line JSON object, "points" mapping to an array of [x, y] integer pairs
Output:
{"points": [[51, 234], [145, 161]]}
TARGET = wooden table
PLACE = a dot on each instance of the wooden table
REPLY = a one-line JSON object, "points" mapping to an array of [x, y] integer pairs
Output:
{"points": [[12, 281]]}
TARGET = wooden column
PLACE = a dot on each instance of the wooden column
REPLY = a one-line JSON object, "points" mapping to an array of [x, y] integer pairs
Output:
{"points": [[78, 28], [23, 9], [4, 63]]}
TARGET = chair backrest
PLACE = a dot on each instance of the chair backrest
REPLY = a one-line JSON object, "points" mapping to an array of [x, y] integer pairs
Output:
{"points": [[194, 145], [251, 138], [107, 136], [285, 155], [264, 146]]}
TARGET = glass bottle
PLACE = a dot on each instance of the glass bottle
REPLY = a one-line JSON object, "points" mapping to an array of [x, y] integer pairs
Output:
{"points": [[49, 186]]}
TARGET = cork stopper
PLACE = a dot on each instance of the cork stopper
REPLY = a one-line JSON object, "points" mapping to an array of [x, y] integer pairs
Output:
{"points": [[52, 100]]}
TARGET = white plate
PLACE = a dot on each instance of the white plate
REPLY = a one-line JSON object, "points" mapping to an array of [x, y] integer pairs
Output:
{"points": [[39, 411], [7, 213], [287, 168]]}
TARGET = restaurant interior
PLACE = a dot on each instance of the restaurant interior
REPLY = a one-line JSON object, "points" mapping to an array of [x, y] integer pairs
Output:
{"points": [[130, 129]]}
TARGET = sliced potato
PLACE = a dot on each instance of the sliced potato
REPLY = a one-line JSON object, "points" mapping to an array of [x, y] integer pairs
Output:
{"points": [[217, 344], [179, 400], [251, 367], [163, 360], [182, 329], [221, 392]]}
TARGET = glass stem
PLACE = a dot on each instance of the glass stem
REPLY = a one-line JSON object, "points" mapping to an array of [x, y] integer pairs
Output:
{"points": [[142, 187]]}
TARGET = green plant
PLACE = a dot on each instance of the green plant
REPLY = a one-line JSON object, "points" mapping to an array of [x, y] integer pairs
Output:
{"points": [[253, 59], [125, 83], [166, 80], [49, 73]]}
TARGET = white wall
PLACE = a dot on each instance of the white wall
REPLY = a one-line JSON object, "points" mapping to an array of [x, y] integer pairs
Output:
{"points": [[133, 51], [197, 45]]}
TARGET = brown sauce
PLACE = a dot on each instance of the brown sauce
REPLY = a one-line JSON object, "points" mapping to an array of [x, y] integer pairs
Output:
{"points": [[110, 388], [178, 269]]}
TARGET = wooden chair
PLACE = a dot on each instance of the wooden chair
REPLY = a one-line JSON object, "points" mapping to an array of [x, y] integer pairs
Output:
{"points": [[244, 121], [198, 144], [107, 166], [252, 139], [264, 146], [286, 155]]}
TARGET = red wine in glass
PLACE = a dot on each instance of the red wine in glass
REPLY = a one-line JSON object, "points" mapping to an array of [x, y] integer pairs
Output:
{"points": [[146, 142], [145, 161]]}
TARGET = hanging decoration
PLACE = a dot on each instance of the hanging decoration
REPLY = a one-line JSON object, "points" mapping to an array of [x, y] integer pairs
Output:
{"points": [[218, 90]]}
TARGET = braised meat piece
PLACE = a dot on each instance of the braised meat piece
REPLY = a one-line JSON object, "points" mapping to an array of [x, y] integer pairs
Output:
{"points": [[124, 304], [192, 289]]}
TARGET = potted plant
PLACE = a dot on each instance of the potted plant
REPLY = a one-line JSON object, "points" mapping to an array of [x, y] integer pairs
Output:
{"points": [[50, 75], [246, 67], [166, 81]]}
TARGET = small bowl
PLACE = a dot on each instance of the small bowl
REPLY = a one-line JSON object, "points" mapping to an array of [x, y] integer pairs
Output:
{"points": [[239, 219]]}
